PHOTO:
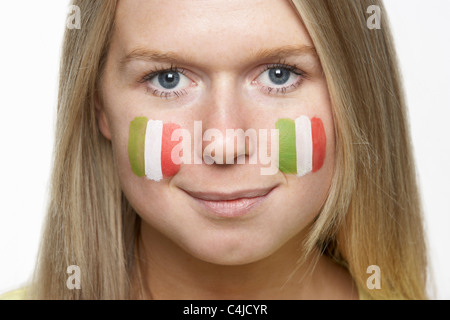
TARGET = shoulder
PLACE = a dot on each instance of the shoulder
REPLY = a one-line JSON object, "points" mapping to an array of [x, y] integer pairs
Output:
{"points": [[18, 294]]}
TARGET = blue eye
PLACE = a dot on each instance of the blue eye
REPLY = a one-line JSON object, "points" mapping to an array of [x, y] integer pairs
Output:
{"points": [[165, 83], [169, 79], [279, 76]]}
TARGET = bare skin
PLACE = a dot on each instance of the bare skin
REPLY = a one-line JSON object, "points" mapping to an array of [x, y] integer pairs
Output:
{"points": [[225, 50]]}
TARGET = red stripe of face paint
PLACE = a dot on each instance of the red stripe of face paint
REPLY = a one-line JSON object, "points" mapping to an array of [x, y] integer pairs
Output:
{"points": [[168, 168], [319, 143]]}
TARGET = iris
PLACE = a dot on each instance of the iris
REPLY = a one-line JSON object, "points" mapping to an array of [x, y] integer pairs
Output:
{"points": [[169, 80], [279, 76]]}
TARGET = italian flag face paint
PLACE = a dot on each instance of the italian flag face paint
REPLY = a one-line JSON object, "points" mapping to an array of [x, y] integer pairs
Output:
{"points": [[150, 148], [302, 145]]}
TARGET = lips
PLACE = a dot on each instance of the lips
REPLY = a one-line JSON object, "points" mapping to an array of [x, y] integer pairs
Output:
{"points": [[230, 205]]}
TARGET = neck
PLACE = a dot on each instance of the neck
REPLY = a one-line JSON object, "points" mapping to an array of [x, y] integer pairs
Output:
{"points": [[173, 273]]}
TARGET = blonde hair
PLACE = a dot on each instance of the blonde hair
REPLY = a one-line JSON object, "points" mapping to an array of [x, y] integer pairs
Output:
{"points": [[372, 215]]}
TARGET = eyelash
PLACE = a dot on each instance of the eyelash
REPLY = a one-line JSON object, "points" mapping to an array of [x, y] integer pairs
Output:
{"points": [[283, 90], [268, 90], [160, 93]]}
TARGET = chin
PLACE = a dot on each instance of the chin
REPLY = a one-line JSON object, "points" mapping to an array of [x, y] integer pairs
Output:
{"points": [[232, 250]]}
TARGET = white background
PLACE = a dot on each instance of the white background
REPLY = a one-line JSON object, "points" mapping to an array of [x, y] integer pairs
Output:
{"points": [[31, 36]]}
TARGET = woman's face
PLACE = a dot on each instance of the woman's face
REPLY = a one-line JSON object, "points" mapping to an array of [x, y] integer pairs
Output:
{"points": [[229, 64]]}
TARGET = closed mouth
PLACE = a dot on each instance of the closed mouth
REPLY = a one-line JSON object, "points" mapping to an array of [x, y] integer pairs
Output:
{"points": [[230, 204]]}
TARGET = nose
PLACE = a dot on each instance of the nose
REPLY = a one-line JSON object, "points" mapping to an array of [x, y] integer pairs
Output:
{"points": [[227, 137]]}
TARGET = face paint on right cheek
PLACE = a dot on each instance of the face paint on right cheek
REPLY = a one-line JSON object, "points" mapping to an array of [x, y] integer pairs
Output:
{"points": [[302, 145], [150, 147]]}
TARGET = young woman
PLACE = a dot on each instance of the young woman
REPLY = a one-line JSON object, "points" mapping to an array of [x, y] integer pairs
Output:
{"points": [[340, 219]]}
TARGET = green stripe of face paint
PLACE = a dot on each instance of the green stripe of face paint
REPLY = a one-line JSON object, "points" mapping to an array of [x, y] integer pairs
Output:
{"points": [[287, 151], [136, 145]]}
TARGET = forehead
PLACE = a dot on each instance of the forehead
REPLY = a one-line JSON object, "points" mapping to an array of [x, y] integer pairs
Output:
{"points": [[204, 30]]}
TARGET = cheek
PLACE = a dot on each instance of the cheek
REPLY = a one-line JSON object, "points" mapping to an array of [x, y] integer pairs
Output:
{"points": [[302, 145], [150, 148]]}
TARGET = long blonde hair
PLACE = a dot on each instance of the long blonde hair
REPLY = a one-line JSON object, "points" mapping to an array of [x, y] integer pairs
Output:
{"points": [[371, 217]]}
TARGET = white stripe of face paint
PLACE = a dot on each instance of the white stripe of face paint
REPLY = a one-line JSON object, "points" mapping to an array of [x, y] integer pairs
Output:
{"points": [[303, 145], [153, 138]]}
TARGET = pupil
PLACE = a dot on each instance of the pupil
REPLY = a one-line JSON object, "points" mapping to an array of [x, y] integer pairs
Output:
{"points": [[169, 80], [279, 76]]}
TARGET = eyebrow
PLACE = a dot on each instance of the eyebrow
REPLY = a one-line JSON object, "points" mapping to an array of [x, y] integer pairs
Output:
{"points": [[142, 54], [286, 51]]}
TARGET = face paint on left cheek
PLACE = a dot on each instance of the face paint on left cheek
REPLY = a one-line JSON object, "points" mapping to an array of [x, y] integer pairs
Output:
{"points": [[302, 145], [150, 147]]}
